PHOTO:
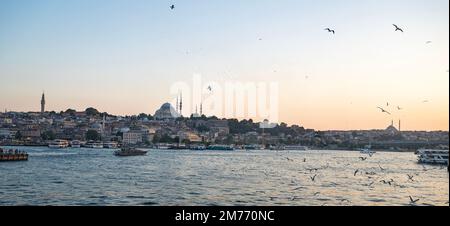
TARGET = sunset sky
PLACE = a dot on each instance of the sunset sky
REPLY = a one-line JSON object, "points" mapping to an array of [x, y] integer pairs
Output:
{"points": [[122, 56]]}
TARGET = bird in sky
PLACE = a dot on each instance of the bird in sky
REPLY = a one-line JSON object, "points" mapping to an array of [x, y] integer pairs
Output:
{"points": [[384, 111], [363, 158], [172, 7], [210, 88], [411, 177], [397, 28], [313, 178], [399, 108], [387, 104], [413, 201], [356, 172], [329, 30]]}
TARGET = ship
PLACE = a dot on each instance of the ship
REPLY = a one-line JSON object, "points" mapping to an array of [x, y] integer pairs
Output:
{"points": [[124, 152], [93, 144], [13, 155], [220, 148], [58, 144], [110, 145], [75, 144], [433, 156]]}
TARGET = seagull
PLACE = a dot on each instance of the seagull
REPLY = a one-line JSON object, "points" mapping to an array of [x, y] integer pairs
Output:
{"points": [[313, 178], [290, 160], [397, 28], [329, 30], [172, 7], [316, 194], [210, 88], [304, 160], [387, 104], [411, 178], [413, 201], [384, 111], [363, 158], [399, 108], [381, 168], [356, 172]]}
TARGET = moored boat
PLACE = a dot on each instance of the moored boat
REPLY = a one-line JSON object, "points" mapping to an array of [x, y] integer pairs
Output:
{"points": [[75, 144], [220, 148], [124, 152], [93, 144], [110, 145], [58, 144]]}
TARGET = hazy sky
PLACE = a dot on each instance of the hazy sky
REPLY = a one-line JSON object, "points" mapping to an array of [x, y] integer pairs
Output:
{"points": [[121, 56]]}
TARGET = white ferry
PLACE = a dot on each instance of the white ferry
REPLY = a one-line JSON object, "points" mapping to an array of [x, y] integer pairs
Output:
{"points": [[75, 144], [433, 156], [110, 145], [95, 145], [58, 144]]}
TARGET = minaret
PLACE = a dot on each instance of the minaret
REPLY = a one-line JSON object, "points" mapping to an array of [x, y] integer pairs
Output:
{"points": [[399, 125], [181, 104], [43, 103], [177, 106], [201, 109]]}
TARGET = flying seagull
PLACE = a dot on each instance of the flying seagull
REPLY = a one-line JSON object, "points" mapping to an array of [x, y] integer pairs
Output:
{"points": [[411, 178], [329, 30], [172, 7], [413, 201], [399, 108], [384, 111], [397, 28], [313, 178], [356, 172], [363, 158], [209, 88]]}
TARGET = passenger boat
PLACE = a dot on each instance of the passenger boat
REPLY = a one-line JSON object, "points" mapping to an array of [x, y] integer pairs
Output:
{"points": [[198, 148], [93, 144], [433, 156], [75, 144], [252, 147], [220, 148], [59, 144], [295, 148], [110, 145], [124, 152], [13, 155]]}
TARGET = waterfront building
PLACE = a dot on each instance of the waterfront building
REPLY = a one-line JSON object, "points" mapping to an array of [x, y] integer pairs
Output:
{"points": [[132, 137]]}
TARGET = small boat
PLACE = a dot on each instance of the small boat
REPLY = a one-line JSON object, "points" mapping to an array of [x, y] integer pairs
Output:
{"points": [[95, 145], [75, 144], [367, 150], [124, 152], [198, 148], [13, 155], [252, 147], [433, 156], [110, 145], [295, 148], [58, 144], [220, 148]]}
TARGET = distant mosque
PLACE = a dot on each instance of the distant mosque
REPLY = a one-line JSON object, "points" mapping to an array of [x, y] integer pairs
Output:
{"points": [[168, 112]]}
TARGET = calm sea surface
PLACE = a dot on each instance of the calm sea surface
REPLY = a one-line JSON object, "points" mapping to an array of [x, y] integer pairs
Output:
{"points": [[96, 177]]}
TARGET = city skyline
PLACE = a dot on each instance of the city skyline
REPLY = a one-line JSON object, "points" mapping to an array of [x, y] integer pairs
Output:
{"points": [[122, 57]]}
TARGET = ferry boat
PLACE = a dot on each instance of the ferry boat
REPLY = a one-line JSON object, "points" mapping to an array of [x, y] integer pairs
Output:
{"points": [[198, 148], [367, 150], [60, 144], [220, 148], [295, 148], [110, 145], [124, 152], [433, 156], [13, 155], [252, 147], [75, 144], [95, 145]]}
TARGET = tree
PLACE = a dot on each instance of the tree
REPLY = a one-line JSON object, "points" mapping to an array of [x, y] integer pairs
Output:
{"points": [[93, 135], [92, 112], [70, 112], [48, 135], [18, 135]]}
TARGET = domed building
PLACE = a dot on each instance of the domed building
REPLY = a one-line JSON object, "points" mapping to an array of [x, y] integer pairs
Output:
{"points": [[166, 112]]}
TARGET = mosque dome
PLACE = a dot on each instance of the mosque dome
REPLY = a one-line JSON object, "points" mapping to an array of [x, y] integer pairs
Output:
{"points": [[166, 112]]}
